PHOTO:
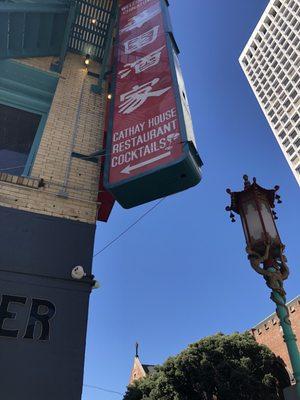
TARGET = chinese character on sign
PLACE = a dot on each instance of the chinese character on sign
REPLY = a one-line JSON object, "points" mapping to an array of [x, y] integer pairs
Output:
{"points": [[139, 20], [141, 41], [142, 64], [133, 99]]}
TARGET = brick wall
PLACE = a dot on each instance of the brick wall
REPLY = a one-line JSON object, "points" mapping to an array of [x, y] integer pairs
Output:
{"points": [[75, 123], [137, 371], [269, 332]]}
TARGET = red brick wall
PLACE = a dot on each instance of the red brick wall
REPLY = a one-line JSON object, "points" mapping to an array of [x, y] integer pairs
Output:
{"points": [[269, 332], [137, 371]]}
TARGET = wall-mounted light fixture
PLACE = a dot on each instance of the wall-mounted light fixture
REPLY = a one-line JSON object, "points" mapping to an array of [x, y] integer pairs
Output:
{"points": [[109, 96], [87, 60]]}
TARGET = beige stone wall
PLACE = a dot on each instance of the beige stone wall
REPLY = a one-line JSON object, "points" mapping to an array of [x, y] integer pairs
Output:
{"points": [[75, 123]]}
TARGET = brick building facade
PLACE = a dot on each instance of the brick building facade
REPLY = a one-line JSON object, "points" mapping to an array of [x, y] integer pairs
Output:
{"points": [[139, 370], [74, 124], [48, 219], [51, 119], [269, 332]]}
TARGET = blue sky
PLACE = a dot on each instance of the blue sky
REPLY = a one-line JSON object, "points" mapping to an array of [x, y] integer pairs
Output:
{"points": [[182, 272]]}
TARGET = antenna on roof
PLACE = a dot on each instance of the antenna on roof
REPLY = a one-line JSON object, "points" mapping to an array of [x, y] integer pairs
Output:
{"points": [[137, 349]]}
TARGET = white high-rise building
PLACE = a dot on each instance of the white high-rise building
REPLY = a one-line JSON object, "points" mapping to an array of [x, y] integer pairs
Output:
{"points": [[271, 62]]}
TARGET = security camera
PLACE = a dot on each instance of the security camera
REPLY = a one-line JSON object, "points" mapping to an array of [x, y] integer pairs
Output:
{"points": [[96, 284], [78, 272]]}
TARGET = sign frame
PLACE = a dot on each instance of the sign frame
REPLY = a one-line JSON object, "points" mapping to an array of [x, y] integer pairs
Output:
{"points": [[139, 189]]}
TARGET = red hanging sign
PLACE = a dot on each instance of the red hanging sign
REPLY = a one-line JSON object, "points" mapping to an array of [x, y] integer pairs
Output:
{"points": [[146, 132], [151, 149]]}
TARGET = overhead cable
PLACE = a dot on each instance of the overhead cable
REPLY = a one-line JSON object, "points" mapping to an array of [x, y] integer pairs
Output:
{"points": [[129, 227], [103, 389]]}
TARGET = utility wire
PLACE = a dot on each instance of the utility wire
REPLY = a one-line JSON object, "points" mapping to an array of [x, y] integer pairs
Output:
{"points": [[129, 227], [103, 390], [95, 255]]}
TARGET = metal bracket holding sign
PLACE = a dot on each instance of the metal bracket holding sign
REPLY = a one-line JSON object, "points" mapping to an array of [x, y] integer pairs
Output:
{"points": [[150, 132], [94, 157]]}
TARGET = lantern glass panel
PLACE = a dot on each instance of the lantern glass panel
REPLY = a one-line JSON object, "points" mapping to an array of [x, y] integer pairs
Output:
{"points": [[245, 230], [268, 220], [253, 221]]}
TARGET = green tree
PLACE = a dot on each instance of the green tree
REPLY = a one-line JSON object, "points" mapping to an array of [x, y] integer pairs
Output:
{"points": [[221, 367]]}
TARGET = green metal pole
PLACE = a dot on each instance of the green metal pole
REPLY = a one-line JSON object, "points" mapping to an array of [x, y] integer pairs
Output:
{"points": [[288, 334]]}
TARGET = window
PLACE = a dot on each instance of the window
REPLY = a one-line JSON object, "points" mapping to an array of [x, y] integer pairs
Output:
{"points": [[245, 62], [277, 105], [271, 113], [18, 129], [289, 126], [296, 78], [282, 135], [263, 30], [280, 112], [291, 151], [268, 21], [293, 134], [278, 4], [294, 94], [26, 95], [286, 143]]}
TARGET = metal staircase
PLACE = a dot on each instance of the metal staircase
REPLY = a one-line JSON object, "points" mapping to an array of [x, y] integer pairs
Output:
{"points": [[36, 28], [32, 28]]}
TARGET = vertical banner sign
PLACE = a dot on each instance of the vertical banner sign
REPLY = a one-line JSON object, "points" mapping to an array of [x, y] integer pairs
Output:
{"points": [[150, 151]]}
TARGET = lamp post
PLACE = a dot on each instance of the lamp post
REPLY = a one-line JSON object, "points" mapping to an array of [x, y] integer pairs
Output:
{"points": [[265, 252]]}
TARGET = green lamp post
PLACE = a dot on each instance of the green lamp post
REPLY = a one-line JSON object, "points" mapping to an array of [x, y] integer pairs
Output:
{"points": [[265, 252]]}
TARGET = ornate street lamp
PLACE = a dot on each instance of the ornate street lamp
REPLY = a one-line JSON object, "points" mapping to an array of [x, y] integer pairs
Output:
{"points": [[265, 252]]}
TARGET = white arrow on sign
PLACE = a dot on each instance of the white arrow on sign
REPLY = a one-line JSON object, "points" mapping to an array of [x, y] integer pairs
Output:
{"points": [[130, 168]]}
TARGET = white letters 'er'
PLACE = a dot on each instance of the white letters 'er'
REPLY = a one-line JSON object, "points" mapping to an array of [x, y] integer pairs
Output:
{"points": [[133, 99], [141, 41], [142, 64]]}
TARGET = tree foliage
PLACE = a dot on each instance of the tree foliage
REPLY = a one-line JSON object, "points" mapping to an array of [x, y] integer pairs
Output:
{"points": [[221, 367]]}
